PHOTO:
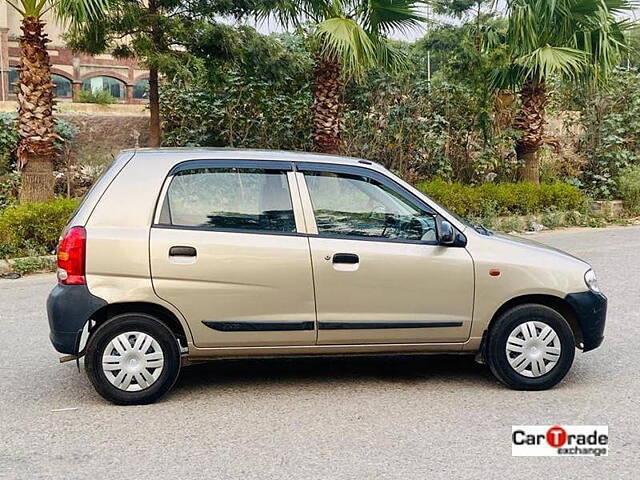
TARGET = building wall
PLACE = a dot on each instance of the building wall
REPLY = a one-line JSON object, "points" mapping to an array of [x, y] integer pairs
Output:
{"points": [[77, 68]]}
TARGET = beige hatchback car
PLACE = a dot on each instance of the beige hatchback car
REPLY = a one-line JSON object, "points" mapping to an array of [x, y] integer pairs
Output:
{"points": [[181, 255]]}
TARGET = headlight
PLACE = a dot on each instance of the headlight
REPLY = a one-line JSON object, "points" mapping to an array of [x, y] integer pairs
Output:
{"points": [[591, 281]]}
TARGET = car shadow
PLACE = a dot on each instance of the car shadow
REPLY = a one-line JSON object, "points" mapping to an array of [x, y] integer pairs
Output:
{"points": [[334, 369]]}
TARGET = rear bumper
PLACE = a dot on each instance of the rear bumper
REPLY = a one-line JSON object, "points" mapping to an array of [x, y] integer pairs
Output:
{"points": [[591, 312], [69, 307]]}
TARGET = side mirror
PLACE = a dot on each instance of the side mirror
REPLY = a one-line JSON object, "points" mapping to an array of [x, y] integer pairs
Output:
{"points": [[446, 234]]}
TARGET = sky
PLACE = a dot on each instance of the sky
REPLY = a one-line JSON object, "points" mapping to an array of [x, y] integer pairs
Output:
{"points": [[410, 35]]}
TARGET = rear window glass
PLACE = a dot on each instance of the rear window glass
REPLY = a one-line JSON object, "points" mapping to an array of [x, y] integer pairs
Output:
{"points": [[230, 198]]}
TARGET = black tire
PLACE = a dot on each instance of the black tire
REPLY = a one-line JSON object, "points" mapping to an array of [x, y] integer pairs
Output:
{"points": [[132, 322], [496, 354]]}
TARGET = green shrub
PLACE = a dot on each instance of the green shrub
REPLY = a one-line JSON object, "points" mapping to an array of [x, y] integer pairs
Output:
{"points": [[101, 97], [9, 187], [33, 228], [552, 219], [511, 224], [504, 198], [9, 139], [629, 188], [27, 265]]}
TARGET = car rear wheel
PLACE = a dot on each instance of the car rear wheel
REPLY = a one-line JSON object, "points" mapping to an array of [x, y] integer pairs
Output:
{"points": [[530, 347], [132, 359]]}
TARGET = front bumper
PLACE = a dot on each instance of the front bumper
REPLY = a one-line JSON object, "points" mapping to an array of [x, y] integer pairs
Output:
{"points": [[591, 312], [69, 307]]}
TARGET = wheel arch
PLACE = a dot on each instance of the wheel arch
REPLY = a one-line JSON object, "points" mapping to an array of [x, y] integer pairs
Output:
{"points": [[558, 304], [163, 314]]}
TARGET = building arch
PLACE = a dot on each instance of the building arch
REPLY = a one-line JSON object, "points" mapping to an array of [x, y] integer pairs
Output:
{"points": [[104, 73], [63, 83], [140, 89], [99, 83], [142, 76]]}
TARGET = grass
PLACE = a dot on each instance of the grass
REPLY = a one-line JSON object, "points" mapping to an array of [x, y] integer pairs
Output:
{"points": [[550, 220], [27, 265]]}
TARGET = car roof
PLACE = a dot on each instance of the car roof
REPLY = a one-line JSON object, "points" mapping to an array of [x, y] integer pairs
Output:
{"points": [[183, 154]]}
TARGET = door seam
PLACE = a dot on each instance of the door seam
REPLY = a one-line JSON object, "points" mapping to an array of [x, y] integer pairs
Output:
{"points": [[313, 283]]}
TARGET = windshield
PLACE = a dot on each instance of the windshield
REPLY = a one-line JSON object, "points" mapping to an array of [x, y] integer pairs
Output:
{"points": [[476, 226]]}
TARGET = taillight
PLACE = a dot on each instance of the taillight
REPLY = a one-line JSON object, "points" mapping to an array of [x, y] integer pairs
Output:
{"points": [[71, 256]]}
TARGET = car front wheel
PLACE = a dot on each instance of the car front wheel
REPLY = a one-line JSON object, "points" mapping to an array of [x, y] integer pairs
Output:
{"points": [[132, 359], [530, 347]]}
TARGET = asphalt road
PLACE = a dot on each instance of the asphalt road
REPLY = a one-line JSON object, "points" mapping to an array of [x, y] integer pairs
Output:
{"points": [[330, 418]]}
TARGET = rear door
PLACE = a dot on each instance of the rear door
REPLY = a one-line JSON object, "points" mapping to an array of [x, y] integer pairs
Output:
{"points": [[380, 275], [226, 251]]}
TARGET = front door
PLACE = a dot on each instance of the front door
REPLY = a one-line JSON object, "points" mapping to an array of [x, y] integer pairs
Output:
{"points": [[380, 276], [225, 250]]}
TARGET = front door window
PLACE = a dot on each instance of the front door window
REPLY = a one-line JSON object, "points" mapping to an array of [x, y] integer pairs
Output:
{"points": [[347, 205]]}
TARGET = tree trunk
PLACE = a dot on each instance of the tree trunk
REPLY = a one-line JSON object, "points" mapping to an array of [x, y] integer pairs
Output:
{"points": [[36, 126], [504, 110], [37, 181], [327, 105], [529, 123], [154, 108], [155, 132]]}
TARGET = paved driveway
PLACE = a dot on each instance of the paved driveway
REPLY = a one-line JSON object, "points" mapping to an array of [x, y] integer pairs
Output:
{"points": [[361, 418]]}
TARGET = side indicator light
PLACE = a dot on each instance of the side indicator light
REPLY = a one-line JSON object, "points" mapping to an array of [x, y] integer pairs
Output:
{"points": [[494, 272]]}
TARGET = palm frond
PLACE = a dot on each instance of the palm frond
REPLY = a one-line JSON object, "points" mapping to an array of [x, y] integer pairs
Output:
{"points": [[509, 77], [389, 55], [294, 13], [548, 61], [576, 39], [346, 40], [78, 12], [286, 12], [383, 16]]}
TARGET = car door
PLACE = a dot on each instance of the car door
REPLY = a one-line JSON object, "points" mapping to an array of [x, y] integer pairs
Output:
{"points": [[227, 251], [380, 275]]}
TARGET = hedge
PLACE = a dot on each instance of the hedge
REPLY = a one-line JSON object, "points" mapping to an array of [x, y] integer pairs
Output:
{"points": [[504, 199], [33, 228]]}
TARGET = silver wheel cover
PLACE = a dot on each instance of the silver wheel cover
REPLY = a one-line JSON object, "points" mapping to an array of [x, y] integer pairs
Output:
{"points": [[132, 361], [533, 349]]}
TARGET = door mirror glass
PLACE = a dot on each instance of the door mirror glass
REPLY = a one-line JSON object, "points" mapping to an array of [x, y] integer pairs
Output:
{"points": [[446, 234]]}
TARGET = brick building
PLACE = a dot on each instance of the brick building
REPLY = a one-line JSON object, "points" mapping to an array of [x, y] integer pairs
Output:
{"points": [[124, 79]]}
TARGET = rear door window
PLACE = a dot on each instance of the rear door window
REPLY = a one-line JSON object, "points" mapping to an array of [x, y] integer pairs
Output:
{"points": [[230, 199]]}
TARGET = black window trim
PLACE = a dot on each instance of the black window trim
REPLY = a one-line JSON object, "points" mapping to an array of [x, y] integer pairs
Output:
{"points": [[369, 173], [205, 228], [283, 166], [293, 166], [231, 163]]}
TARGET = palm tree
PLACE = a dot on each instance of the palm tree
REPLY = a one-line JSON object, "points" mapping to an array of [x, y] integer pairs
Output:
{"points": [[36, 125], [577, 41], [347, 37]]}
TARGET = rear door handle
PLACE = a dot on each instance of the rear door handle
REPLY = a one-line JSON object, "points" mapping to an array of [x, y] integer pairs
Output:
{"points": [[180, 251], [347, 258]]}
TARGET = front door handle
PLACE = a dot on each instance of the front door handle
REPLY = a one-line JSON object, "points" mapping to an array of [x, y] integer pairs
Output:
{"points": [[181, 251], [346, 258]]}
